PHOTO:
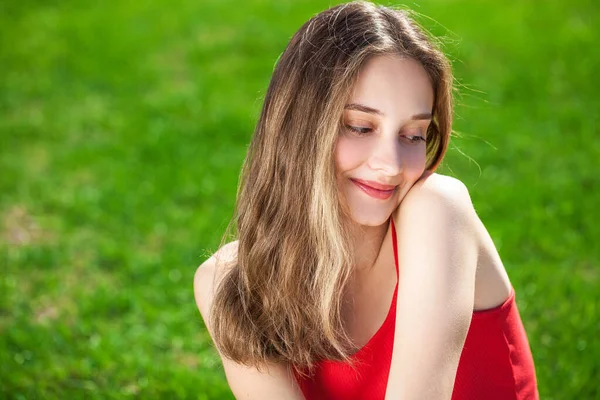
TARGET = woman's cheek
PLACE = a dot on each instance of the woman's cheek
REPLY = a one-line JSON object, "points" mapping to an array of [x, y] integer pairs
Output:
{"points": [[351, 152], [414, 160]]}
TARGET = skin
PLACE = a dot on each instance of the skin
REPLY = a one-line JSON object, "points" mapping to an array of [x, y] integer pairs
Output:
{"points": [[441, 241]]}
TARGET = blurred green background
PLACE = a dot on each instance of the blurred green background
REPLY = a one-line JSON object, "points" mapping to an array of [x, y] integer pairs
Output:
{"points": [[123, 126]]}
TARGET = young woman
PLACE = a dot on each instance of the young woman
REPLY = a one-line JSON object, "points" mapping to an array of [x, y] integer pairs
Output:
{"points": [[359, 272]]}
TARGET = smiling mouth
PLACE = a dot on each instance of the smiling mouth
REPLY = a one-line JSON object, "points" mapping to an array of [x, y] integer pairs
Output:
{"points": [[377, 193]]}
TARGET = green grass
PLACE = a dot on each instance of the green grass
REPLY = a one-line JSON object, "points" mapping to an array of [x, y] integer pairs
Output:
{"points": [[123, 127]]}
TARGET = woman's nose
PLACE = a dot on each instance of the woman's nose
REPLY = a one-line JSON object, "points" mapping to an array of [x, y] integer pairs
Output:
{"points": [[385, 157]]}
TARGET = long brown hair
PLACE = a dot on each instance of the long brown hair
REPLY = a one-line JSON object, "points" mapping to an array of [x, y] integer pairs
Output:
{"points": [[281, 300]]}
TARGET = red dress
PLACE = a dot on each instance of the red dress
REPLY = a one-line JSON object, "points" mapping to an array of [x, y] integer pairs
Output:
{"points": [[496, 361]]}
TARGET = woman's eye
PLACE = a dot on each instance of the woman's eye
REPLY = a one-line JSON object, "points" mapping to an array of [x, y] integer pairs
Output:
{"points": [[415, 139], [359, 130]]}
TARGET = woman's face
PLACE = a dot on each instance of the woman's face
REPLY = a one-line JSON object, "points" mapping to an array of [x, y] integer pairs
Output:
{"points": [[380, 153]]}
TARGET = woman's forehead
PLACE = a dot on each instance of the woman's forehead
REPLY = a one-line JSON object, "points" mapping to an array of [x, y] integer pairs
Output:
{"points": [[393, 86]]}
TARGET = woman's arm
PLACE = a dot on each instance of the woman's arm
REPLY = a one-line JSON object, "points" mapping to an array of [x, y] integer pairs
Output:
{"points": [[277, 382], [437, 256]]}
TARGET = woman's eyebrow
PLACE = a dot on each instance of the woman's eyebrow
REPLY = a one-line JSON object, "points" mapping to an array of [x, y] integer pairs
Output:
{"points": [[366, 109]]}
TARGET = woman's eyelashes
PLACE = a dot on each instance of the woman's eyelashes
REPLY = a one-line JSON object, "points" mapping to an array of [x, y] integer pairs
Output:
{"points": [[415, 139], [364, 131], [359, 130]]}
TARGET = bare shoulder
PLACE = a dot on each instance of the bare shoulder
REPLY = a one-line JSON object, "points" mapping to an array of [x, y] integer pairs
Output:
{"points": [[276, 381], [209, 274], [434, 192], [447, 187]]}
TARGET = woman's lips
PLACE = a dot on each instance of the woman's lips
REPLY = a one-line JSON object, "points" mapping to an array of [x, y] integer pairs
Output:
{"points": [[381, 192]]}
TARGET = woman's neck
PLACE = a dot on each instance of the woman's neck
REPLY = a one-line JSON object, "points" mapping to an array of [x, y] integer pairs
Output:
{"points": [[367, 241]]}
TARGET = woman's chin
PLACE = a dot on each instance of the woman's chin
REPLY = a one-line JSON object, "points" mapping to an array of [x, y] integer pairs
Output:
{"points": [[377, 219]]}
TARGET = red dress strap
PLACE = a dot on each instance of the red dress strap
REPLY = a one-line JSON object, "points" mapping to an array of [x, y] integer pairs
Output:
{"points": [[395, 246]]}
